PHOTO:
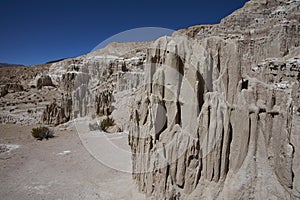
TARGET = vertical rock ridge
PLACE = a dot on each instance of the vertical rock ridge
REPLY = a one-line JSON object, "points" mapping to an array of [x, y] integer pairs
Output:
{"points": [[233, 139]]}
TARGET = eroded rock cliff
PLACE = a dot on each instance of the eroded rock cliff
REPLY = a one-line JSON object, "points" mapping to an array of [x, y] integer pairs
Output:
{"points": [[217, 117], [213, 112]]}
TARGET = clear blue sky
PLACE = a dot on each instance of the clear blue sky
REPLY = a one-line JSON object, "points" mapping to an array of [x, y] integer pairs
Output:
{"points": [[37, 31]]}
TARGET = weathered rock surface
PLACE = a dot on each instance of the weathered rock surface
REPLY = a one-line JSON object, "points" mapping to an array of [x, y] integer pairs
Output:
{"points": [[10, 88], [91, 83], [218, 117], [103, 103], [78, 87], [55, 114], [213, 112], [43, 80], [20, 102]]}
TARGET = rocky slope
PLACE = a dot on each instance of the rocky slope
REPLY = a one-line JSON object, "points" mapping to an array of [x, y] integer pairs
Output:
{"points": [[55, 93], [212, 112], [21, 101], [2, 65]]}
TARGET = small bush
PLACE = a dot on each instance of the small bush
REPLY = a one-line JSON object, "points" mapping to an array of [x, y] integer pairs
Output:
{"points": [[107, 122], [41, 132]]}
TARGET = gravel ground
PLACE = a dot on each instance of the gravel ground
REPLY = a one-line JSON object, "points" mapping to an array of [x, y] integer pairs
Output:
{"points": [[58, 168]]}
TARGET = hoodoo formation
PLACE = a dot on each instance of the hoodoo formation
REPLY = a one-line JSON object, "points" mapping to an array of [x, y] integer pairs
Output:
{"points": [[213, 111]]}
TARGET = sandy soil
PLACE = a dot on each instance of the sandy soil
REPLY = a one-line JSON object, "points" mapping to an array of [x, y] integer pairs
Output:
{"points": [[58, 168]]}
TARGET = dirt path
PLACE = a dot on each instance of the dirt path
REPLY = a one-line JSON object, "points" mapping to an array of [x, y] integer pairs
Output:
{"points": [[60, 168]]}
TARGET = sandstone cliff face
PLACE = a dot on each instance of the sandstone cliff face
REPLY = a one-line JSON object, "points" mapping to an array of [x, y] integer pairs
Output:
{"points": [[55, 114], [92, 81], [217, 117], [213, 112], [56, 93]]}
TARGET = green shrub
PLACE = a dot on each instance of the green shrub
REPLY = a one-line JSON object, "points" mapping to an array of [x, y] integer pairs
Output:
{"points": [[107, 122], [41, 132]]}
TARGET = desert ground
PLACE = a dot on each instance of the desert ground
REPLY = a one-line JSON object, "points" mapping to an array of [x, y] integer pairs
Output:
{"points": [[58, 168]]}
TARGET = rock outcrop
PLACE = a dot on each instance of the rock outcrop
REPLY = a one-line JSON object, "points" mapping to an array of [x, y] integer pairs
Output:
{"points": [[217, 116], [10, 88], [78, 87], [55, 114], [213, 112], [94, 79], [20, 101], [43, 80], [103, 103], [40, 81]]}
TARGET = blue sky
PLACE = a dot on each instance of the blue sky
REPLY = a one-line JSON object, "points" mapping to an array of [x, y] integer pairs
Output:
{"points": [[38, 31]]}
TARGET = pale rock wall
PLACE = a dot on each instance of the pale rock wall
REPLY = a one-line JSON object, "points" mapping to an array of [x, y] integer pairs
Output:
{"points": [[91, 81], [213, 112], [216, 118]]}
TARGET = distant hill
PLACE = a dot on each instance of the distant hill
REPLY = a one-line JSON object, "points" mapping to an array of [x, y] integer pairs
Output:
{"points": [[54, 61], [2, 65]]}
